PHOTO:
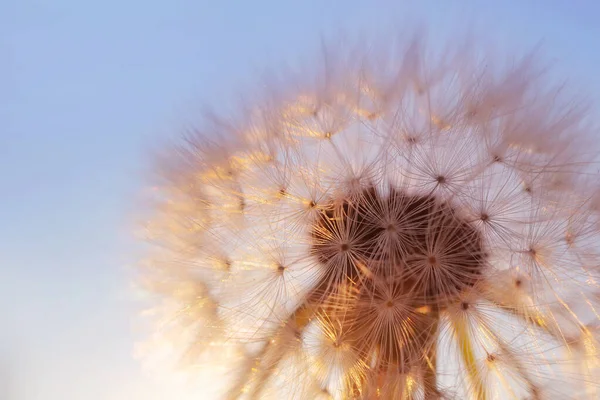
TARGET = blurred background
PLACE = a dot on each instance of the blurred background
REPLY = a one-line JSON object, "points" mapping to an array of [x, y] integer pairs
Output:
{"points": [[88, 89]]}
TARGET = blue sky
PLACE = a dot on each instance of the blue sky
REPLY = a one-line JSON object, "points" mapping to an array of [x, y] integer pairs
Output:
{"points": [[87, 88]]}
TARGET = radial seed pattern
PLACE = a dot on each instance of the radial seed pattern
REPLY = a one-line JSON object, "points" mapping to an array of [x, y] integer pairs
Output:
{"points": [[416, 228]]}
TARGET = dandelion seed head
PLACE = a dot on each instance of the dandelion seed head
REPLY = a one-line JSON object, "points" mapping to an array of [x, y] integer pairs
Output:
{"points": [[361, 233]]}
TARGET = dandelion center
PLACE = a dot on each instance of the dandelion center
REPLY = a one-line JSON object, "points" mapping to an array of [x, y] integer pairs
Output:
{"points": [[430, 234]]}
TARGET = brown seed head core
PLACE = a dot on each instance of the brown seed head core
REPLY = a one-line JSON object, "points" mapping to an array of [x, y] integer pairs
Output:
{"points": [[433, 251]]}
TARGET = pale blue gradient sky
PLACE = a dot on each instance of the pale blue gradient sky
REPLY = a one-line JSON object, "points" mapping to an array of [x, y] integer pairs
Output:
{"points": [[87, 87]]}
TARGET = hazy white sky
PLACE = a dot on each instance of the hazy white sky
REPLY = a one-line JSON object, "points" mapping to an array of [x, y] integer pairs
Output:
{"points": [[87, 87]]}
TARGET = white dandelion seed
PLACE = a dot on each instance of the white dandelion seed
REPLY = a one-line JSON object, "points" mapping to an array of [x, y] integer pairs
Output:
{"points": [[420, 228]]}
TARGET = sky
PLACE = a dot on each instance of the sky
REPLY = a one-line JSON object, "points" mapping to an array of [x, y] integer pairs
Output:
{"points": [[87, 89]]}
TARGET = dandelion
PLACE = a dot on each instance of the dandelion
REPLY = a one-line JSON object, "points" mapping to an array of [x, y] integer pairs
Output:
{"points": [[421, 226]]}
